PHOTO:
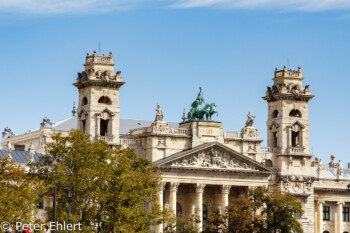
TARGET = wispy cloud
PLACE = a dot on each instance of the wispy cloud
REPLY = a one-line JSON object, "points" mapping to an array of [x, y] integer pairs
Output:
{"points": [[68, 6], [88, 6], [295, 5]]}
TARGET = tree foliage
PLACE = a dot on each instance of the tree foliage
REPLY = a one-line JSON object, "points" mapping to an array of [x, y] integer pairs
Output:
{"points": [[261, 211], [19, 192], [113, 189]]}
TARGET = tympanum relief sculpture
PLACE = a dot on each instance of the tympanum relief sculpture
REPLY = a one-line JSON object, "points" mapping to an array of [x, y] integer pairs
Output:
{"points": [[212, 159]]}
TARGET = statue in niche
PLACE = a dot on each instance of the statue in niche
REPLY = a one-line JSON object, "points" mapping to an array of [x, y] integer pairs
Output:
{"points": [[159, 116], [250, 120]]}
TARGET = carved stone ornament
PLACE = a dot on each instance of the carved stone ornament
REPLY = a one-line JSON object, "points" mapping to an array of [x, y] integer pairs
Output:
{"points": [[297, 184], [161, 186], [83, 114], [160, 127], [200, 188], [250, 132], [174, 186], [212, 158], [226, 188], [7, 133], [46, 122]]}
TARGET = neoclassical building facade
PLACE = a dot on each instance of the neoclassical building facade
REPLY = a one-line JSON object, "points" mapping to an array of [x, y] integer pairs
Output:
{"points": [[204, 167]]}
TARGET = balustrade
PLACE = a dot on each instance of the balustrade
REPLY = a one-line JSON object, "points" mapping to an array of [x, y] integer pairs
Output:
{"points": [[232, 134], [130, 142], [99, 59], [273, 150], [296, 150], [106, 138]]}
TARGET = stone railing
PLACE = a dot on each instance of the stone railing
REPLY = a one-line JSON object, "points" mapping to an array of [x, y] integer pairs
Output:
{"points": [[181, 131], [296, 150], [266, 149], [232, 134], [175, 131], [106, 138], [130, 142], [99, 58], [288, 73]]}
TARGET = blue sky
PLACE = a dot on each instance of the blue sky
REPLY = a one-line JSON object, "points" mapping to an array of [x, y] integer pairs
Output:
{"points": [[167, 49]]}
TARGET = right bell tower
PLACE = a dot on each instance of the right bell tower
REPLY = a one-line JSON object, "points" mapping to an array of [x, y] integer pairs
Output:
{"points": [[288, 122]]}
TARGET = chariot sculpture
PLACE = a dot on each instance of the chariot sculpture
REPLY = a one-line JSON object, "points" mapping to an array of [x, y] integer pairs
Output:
{"points": [[199, 113]]}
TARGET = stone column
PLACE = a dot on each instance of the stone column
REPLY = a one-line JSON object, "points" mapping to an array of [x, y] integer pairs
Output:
{"points": [[339, 218], [225, 191], [319, 210], [199, 204], [160, 189], [98, 117], [173, 190]]}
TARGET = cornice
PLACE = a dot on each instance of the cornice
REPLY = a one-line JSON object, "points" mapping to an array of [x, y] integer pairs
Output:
{"points": [[210, 170], [287, 96], [98, 83]]}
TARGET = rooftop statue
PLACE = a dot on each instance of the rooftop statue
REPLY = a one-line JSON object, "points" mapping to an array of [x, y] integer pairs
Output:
{"points": [[159, 116], [197, 113], [250, 120]]}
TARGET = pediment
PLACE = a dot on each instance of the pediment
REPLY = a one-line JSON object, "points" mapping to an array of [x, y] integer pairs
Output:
{"points": [[296, 122], [211, 156]]}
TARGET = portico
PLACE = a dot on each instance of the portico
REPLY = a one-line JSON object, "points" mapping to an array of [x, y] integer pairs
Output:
{"points": [[196, 182]]}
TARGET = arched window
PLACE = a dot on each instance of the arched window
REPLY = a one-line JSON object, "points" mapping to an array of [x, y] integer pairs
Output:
{"points": [[104, 100], [178, 209], [275, 114], [326, 232], [84, 101], [295, 113], [267, 162]]}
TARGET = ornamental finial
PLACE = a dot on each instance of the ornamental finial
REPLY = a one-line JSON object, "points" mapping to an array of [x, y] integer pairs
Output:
{"points": [[184, 116], [74, 111]]}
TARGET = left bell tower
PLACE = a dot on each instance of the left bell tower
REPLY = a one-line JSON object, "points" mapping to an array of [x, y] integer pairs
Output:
{"points": [[98, 108]]}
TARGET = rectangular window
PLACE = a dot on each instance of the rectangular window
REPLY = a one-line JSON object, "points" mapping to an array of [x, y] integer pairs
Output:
{"points": [[326, 213], [346, 211], [297, 214]]}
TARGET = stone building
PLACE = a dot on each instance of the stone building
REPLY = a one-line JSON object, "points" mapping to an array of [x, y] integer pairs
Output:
{"points": [[204, 167]]}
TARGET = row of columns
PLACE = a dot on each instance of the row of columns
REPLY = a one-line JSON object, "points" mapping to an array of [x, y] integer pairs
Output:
{"points": [[173, 188], [338, 217]]}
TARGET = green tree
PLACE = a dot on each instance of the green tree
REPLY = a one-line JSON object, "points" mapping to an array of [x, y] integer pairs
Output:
{"points": [[183, 224], [261, 211], [215, 222], [280, 213], [113, 189], [19, 192], [241, 216]]}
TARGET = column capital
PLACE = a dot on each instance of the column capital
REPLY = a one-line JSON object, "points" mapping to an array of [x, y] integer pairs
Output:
{"points": [[320, 202], [226, 188], [340, 203], [161, 186], [200, 188], [174, 186]]}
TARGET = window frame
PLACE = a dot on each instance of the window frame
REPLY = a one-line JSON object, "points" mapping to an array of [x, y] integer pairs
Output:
{"points": [[346, 214], [326, 213]]}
